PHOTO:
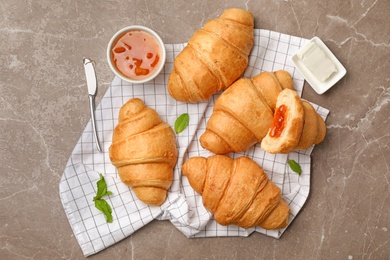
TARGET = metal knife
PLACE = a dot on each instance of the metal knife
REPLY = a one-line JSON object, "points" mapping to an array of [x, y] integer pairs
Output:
{"points": [[92, 89]]}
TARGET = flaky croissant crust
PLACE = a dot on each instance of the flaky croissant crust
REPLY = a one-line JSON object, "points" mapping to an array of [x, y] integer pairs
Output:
{"points": [[144, 151], [215, 56], [237, 191], [243, 113]]}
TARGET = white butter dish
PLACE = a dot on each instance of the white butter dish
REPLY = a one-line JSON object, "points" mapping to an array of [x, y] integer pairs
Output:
{"points": [[318, 65]]}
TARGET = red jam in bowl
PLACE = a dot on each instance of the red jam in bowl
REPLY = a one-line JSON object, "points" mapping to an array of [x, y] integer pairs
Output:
{"points": [[136, 54]]}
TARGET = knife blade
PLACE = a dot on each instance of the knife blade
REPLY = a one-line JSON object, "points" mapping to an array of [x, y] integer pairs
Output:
{"points": [[92, 89]]}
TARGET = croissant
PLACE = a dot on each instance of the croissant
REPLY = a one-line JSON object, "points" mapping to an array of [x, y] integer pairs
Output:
{"points": [[243, 113], [144, 151], [295, 126], [215, 56], [237, 191]]}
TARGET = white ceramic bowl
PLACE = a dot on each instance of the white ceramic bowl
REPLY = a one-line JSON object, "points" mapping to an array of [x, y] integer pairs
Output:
{"points": [[319, 86], [136, 28]]}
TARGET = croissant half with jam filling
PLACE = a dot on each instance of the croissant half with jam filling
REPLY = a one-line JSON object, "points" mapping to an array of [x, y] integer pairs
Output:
{"points": [[215, 56], [237, 191], [243, 113], [295, 126], [144, 151]]}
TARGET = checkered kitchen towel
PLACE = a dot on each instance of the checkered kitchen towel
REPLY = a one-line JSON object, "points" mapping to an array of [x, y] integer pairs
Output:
{"points": [[183, 207]]}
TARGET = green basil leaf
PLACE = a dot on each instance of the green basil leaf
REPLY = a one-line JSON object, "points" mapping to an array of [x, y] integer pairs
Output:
{"points": [[104, 207], [100, 203], [101, 188], [182, 122], [295, 166]]}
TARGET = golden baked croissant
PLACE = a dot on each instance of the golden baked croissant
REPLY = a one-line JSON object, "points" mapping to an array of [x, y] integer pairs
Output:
{"points": [[295, 125], [144, 151], [215, 56], [237, 191], [243, 113]]}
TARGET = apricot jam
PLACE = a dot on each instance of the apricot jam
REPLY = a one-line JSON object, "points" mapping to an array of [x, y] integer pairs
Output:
{"points": [[136, 54], [279, 121]]}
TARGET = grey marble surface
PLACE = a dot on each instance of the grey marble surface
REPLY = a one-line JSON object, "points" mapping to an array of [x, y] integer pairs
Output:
{"points": [[44, 109]]}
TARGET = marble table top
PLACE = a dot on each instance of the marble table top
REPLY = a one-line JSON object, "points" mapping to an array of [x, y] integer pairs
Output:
{"points": [[44, 109]]}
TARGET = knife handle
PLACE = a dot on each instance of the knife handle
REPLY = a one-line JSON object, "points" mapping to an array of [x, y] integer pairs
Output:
{"points": [[92, 109]]}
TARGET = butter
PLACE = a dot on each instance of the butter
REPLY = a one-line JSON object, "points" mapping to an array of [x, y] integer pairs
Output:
{"points": [[316, 61], [318, 65]]}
